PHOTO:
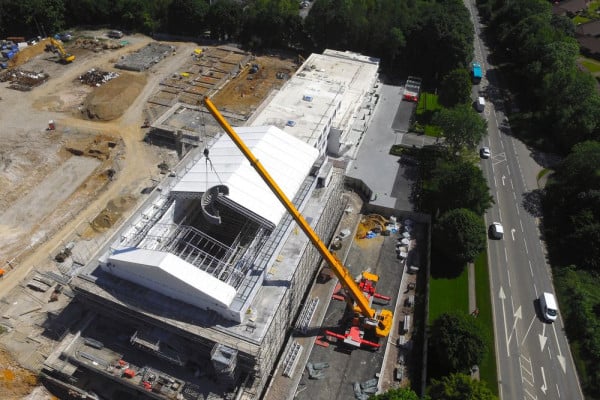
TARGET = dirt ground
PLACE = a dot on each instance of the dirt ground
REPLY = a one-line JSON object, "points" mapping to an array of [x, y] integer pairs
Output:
{"points": [[83, 177]]}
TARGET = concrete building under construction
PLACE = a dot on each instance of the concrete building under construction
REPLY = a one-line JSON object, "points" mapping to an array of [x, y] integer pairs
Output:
{"points": [[205, 281]]}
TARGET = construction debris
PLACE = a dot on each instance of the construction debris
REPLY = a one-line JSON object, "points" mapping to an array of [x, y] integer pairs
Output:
{"points": [[364, 390], [144, 58], [24, 80], [315, 370], [97, 45], [97, 77]]}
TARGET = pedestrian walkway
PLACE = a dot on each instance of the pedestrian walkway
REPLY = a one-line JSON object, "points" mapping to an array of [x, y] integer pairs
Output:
{"points": [[473, 305]]}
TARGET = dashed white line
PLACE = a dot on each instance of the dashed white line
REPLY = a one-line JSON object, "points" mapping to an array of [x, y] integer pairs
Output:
{"points": [[514, 195], [502, 144], [558, 391], [495, 182], [526, 249], [535, 290], [521, 222], [511, 185], [508, 275], [505, 255], [517, 207], [530, 268]]}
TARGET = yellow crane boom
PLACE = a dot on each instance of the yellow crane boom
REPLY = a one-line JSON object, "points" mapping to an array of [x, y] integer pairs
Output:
{"points": [[382, 320]]}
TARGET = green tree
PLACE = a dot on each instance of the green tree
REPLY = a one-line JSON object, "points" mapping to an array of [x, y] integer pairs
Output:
{"points": [[186, 17], [225, 19], [396, 394], [456, 88], [572, 208], [458, 184], [461, 127], [460, 387], [456, 343], [459, 235]]}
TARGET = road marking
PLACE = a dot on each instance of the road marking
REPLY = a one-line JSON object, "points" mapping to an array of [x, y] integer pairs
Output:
{"points": [[505, 255], [508, 275], [514, 195], [561, 358], [502, 144], [521, 222], [499, 210], [518, 315], [495, 182], [543, 387], [517, 207], [528, 329], [511, 185], [526, 249], [512, 232], [558, 391], [502, 297], [530, 268], [503, 178], [543, 338]]}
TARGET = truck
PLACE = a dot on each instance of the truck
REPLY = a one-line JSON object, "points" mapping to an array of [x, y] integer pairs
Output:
{"points": [[476, 73]]}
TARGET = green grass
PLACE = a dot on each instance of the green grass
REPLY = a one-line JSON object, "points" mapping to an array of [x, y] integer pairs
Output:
{"points": [[427, 106], [591, 65], [487, 369], [578, 19], [448, 295]]}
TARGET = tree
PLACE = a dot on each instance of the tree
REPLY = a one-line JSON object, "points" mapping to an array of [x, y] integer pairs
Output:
{"points": [[461, 126], [456, 343], [456, 88], [396, 394], [186, 17], [225, 19], [460, 387], [456, 185], [459, 235], [572, 208]]}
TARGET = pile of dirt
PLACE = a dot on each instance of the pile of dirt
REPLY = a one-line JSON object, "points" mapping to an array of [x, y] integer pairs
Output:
{"points": [[28, 53], [15, 382], [100, 147], [111, 100], [111, 214], [97, 45]]}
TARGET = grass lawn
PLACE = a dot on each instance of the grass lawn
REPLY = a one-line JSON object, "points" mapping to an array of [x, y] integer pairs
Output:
{"points": [[447, 295], [578, 19], [487, 369], [428, 104], [591, 65]]}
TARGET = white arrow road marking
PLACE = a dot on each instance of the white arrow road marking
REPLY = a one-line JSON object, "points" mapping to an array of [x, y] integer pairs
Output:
{"points": [[512, 232], [503, 178], [502, 297], [544, 387], [561, 358], [543, 338]]}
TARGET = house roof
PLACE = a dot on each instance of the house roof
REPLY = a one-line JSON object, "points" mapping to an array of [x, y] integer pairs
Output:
{"points": [[589, 28], [570, 6]]}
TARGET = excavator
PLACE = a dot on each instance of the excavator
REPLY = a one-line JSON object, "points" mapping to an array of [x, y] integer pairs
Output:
{"points": [[361, 295], [56, 46]]}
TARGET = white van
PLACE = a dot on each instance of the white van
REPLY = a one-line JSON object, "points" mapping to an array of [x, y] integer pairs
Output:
{"points": [[548, 306], [480, 105]]}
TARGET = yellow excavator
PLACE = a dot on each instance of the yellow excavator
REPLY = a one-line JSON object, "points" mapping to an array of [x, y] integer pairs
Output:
{"points": [[362, 294], [56, 46]]}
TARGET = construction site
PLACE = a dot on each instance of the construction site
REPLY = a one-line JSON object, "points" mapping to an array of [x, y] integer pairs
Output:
{"points": [[146, 256]]}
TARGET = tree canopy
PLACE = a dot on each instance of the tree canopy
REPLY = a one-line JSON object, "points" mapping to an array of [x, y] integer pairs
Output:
{"points": [[572, 208], [456, 343], [462, 127], [460, 387], [456, 88], [459, 235], [396, 394], [458, 184]]}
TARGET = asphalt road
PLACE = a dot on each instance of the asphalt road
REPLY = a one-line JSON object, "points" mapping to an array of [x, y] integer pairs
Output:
{"points": [[534, 359]]}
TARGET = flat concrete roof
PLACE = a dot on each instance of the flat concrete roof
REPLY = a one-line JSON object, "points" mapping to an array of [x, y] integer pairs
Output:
{"points": [[327, 86]]}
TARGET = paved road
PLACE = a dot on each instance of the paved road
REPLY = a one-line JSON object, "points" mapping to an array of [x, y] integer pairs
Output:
{"points": [[534, 359]]}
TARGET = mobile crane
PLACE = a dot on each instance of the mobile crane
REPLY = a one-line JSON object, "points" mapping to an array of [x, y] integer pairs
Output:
{"points": [[367, 317], [56, 46]]}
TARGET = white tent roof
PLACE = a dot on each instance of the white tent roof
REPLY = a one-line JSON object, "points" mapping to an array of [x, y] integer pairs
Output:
{"points": [[287, 159], [172, 276]]}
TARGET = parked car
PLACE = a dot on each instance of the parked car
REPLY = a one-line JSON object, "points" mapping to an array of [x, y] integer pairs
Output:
{"points": [[114, 34], [484, 152], [64, 36]]}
